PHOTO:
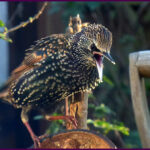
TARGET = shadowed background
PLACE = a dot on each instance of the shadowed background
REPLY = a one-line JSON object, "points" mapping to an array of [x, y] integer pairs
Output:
{"points": [[110, 102]]}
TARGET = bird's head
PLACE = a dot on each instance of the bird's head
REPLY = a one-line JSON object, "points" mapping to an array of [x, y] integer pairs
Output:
{"points": [[97, 40]]}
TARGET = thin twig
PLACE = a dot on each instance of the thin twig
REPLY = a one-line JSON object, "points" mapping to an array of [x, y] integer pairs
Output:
{"points": [[30, 20]]}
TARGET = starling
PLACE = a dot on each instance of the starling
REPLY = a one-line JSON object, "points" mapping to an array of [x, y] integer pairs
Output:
{"points": [[55, 67]]}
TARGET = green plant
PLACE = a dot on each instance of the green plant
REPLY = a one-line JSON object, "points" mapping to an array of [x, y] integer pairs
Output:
{"points": [[100, 115], [3, 30]]}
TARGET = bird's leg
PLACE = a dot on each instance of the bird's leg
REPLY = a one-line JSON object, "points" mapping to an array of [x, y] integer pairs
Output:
{"points": [[66, 118], [25, 120], [67, 112], [66, 106]]}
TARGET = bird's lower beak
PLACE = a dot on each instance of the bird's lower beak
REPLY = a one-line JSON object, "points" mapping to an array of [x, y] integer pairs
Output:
{"points": [[100, 70], [99, 62]]}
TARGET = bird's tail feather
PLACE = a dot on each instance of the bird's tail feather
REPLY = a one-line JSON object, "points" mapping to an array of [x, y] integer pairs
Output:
{"points": [[4, 97], [4, 94]]}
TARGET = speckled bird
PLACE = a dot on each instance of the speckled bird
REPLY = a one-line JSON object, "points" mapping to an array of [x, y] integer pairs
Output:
{"points": [[56, 67]]}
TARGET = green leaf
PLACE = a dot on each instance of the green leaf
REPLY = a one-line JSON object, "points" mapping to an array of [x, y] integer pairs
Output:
{"points": [[107, 80], [38, 117], [30, 19], [91, 96], [53, 128], [2, 24], [91, 106], [5, 29], [4, 37], [102, 111], [90, 121]]}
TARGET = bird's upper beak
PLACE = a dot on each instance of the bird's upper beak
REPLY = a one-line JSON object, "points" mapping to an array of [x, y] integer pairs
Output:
{"points": [[108, 56]]}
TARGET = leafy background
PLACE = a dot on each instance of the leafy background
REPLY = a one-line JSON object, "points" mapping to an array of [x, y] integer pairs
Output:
{"points": [[110, 106]]}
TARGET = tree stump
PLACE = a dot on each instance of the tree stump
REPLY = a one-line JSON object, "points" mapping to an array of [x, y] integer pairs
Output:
{"points": [[77, 139]]}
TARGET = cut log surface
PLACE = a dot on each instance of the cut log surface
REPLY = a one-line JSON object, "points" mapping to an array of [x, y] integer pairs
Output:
{"points": [[77, 139], [143, 63]]}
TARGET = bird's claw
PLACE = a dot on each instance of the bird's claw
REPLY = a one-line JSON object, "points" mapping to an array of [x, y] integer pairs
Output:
{"points": [[37, 143], [73, 121], [37, 139], [70, 119], [43, 136]]}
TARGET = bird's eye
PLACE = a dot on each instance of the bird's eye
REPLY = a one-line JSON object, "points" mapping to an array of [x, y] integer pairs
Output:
{"points": [[93, 47]]}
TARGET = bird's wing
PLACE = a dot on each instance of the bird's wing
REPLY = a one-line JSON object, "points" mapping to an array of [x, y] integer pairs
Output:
{"points": [[38, 52]]}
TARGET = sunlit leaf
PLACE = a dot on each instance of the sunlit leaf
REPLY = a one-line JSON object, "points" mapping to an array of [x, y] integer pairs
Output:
{"points": [[2, 24], [4, 37], [108, 126]]}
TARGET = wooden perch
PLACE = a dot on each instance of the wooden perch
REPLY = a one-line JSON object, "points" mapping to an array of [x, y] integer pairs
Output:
{"points": [[79, 101], [79, 109], [140, 68]]}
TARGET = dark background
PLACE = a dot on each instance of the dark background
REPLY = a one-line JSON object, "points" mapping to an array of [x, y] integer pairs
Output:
{"points": [[129, 23]]}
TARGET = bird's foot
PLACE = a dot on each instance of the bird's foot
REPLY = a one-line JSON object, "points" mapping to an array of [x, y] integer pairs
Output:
{"points": [[36, 140], [41, 137], [70, 119]]}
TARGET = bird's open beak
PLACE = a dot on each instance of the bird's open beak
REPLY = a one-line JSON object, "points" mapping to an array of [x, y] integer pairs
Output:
{"points": [[99, 62], [106, 55]]}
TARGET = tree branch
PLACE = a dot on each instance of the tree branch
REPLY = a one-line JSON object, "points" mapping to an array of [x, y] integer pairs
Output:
{"points": [[30, 20]]}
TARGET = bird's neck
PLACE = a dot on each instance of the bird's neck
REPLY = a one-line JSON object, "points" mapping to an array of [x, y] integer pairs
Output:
{"points": [[85, 68]]}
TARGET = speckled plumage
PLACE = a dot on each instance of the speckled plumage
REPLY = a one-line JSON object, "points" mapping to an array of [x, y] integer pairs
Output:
{"points": [[58, 66]]}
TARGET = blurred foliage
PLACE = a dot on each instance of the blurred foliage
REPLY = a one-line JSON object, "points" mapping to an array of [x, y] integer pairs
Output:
{"points": [[102, 113], [2, 30], [133, 140], [129, 23]]}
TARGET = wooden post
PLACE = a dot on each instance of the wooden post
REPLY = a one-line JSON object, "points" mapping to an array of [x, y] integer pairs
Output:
{"points": [[78, 101], [79, 109], [140, 68]]}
